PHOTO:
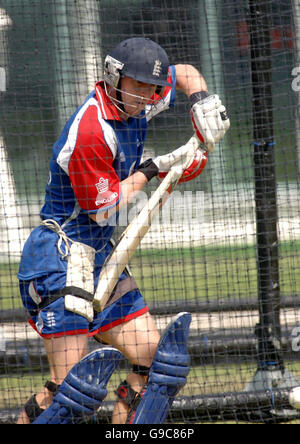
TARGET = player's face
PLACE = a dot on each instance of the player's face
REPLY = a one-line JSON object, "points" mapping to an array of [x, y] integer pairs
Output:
{"points": [[135, 95]]}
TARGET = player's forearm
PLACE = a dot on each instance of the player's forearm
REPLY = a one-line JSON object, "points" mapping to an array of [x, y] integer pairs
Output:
{"points": [[129, 188], [189, 80]]}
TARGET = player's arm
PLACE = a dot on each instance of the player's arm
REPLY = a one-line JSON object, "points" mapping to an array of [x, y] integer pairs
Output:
{"points": [[209, 115], [136, 182], [128, 190], [189, 80]]}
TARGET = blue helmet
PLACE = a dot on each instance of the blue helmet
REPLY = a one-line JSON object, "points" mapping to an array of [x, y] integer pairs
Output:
{"points": [[139, 58]]}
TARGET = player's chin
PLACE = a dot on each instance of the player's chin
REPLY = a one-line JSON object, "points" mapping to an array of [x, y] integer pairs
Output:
{"points": [[135, 114], [136, 111]]}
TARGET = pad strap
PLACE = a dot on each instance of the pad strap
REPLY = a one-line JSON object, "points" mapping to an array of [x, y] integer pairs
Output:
{"points": [[140, 370], [32, 409], [52, 387], [74, 291], [132, 398], [123, 287], [126, 394]]}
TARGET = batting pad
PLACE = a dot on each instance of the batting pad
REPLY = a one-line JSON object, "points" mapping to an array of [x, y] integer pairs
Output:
{"points": [[83, 389], [167, 375]]}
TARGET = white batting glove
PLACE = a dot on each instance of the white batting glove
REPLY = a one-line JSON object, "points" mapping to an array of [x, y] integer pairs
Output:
{"points": [[183, 157], [209, 117], [164, 163]]}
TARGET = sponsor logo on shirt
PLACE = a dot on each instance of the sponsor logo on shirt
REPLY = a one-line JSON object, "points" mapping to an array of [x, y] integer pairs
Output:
{"points": [[107, 199], [104, 196], [102, 186]]}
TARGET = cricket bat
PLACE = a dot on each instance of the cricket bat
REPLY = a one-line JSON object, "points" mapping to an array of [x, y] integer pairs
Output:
{"points": [[137, 229]]}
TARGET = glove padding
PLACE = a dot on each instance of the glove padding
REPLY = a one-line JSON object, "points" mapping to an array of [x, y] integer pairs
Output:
{"points": [[210, 120], [194, 170], [165, 162]]}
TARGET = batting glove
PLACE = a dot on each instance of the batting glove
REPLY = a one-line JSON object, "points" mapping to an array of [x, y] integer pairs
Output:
{"points": [[163, 164], [194, 170], [209, 118]]}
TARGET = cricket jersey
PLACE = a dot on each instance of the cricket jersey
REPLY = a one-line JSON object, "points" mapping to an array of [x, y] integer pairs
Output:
{"points": [[95, 152]]}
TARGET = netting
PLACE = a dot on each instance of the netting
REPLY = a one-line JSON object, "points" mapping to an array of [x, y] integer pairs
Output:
{"points": [[227, 246]]}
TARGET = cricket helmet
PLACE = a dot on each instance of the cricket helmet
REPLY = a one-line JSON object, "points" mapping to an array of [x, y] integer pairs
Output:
{"points": [[139, 58]]}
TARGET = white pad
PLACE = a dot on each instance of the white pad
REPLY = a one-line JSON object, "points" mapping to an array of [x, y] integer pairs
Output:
{"points": [[80, 273]]}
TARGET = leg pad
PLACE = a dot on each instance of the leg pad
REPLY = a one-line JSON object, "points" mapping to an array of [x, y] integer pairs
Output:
{"points": [[167, 375], [83, 389]]}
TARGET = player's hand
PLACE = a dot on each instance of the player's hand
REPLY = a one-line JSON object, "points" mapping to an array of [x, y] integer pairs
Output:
{"points": [[164, 163], [183, 157], [194, 169], [210, 119]]}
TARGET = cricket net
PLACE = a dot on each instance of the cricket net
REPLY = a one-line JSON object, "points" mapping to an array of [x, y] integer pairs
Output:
{"points": [[226, 247]]}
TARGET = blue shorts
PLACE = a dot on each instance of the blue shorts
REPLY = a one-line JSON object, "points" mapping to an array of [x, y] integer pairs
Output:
{"points": [[54, 320]]}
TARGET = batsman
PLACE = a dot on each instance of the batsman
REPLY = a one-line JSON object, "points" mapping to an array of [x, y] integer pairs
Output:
{"points": [[97, 169]]}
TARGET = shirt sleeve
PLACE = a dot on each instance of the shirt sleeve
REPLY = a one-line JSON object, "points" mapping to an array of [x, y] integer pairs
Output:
{"points": [[93, 178]]}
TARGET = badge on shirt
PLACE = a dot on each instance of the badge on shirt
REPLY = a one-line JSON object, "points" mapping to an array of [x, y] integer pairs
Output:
{"points": [[102, 186], [105, 196]]}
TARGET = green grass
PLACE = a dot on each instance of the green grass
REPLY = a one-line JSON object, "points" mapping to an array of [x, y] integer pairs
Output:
{"points": [[9, 287], [15, 390], [210, 273], [202, 273]]}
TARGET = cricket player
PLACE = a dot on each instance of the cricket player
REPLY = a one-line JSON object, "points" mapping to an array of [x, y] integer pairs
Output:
{"points": [[96, 170]]}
